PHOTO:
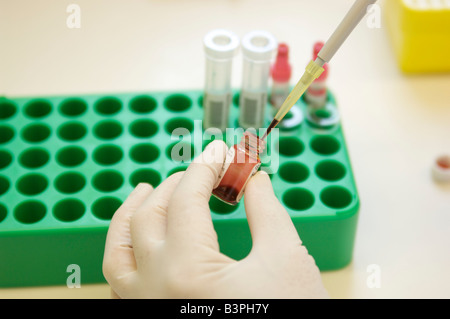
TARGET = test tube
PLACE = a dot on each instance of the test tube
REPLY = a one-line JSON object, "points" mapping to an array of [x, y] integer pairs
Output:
{"points": [[241, 163], [316, 94], [258, 48], [220, 48], [281, 74]]}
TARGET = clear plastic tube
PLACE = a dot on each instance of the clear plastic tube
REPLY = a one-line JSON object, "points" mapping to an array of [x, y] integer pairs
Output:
{"points": [[258, 48], [220, 48], [281, 74]]}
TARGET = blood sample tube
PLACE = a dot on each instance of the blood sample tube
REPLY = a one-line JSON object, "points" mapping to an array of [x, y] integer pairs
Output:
{"points": [[316, 95], [258, 48], [220, 48], [241, 163], [319, 112], [281, 75], [441, 169]]}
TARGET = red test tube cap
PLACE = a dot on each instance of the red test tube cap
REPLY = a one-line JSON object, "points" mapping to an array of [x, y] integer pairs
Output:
{"points": [[281, 69], [316, 49]]}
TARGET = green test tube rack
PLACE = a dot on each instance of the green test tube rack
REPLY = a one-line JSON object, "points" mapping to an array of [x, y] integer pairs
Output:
{"points": [[67, 163]]}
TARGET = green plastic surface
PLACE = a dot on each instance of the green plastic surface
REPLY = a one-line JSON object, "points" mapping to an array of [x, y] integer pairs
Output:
{"points": [[67, 163]]}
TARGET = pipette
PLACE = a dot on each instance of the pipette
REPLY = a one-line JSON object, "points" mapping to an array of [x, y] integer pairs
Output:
{"points": [[314, 69]]}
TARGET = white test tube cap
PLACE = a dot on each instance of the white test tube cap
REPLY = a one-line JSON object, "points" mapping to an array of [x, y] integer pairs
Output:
{"points": [[221, 44], [259, 45]]}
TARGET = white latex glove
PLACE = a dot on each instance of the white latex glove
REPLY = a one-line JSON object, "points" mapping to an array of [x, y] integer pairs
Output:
{"points": [[161, 243]]}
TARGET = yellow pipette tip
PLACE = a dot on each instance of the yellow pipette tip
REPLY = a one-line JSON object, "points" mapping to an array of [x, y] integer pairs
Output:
{"points": [[313, 71]]}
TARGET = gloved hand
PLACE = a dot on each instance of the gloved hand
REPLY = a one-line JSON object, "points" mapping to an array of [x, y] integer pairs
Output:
{"points": [[161, 243]]}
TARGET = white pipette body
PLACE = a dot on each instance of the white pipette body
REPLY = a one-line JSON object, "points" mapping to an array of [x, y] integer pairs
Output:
{"points": [[350, 21]]}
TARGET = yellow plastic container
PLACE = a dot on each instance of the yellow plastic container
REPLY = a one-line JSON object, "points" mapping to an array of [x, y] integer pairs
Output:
{"points": [[420, 33]]}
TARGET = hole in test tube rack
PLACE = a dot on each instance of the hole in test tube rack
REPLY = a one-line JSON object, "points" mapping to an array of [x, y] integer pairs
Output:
{"points": [[108, 181], [177, 103], [4, 185], [108, 129], [336, 197], [3, 212], [180, 122], [107, 154], [143, 104], [108, 106], [73, 107], [298, 199], [7, 110], [34, 157], [330, 170], [32, 184], [35, 133], [290, 146], [5, 159], [145, 175], [144, 153], [69, 210], [6, 134], [293, 172], [325, 145], [38, 108], [143, 128], [71, 156], [72, 131], [70, 183], [30, 212], [105, 207]]}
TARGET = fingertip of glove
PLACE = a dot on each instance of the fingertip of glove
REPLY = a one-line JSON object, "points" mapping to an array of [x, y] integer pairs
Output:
{"points": [[259, 184]]}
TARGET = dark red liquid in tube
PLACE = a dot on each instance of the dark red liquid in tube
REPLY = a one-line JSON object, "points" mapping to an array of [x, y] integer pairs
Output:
{"points": [[241, 164]]}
